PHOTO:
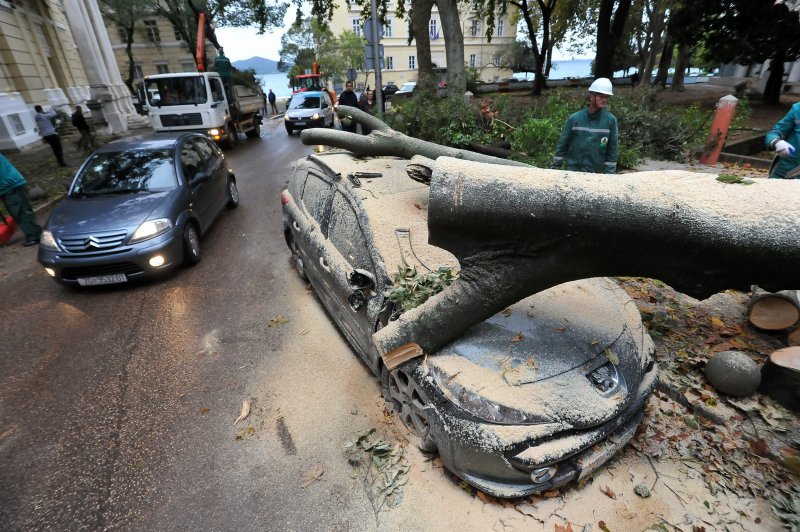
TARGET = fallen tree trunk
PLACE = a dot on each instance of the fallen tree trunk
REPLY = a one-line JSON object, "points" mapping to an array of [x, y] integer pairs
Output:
{"points": [[773, 311], [780, 377], [522, 231], [384, 140]]}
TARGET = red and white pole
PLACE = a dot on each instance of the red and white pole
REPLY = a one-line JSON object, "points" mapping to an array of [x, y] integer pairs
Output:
{"points": [[726, 106]]}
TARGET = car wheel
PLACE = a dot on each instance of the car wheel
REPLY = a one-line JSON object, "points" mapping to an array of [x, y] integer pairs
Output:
{"points": [[298, 261], [289, 130], [233, 194], [191, 244], [255, 132], [409, 402], [230, 137]]}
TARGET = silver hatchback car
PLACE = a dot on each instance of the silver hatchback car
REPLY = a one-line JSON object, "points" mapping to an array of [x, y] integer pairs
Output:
{"points": [[309, 109]]}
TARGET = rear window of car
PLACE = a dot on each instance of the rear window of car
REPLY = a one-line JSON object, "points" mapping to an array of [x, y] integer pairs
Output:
{"points": [[304, 102], [126, 171], [315, 195]]}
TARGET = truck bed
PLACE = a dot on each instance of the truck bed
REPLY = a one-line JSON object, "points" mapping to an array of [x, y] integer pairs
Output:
{"points": [[247, 100]]}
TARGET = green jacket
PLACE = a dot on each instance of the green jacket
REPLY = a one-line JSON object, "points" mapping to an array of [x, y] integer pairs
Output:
{"points": [[10, 178], [588, 143], [788, 129]]}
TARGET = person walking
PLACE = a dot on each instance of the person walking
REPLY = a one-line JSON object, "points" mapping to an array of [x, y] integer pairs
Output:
{"points": [[589, 140], [782, 139], [271, 98], [79, 121], [348, 97], [44, 121], [15, 197]]}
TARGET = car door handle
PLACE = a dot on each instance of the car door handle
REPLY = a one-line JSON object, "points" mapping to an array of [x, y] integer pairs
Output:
{"points": [[324, 264]]}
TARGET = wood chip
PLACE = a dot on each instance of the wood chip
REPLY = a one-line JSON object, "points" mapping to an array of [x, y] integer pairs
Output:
{"points": [[244, 413]]}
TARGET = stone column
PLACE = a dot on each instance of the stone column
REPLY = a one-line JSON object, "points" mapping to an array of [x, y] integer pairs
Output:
{"points": [[111, 98]]}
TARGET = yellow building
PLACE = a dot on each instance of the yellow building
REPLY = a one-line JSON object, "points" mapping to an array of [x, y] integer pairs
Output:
{"points": [[157, 49], [400, 59], [55, 53]]}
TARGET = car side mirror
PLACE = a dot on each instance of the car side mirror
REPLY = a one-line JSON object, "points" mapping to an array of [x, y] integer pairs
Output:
{"points": [[361, 280]]}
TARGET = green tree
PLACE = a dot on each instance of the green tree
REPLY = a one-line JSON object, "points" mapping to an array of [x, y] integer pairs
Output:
{"points": [[124, 14]]}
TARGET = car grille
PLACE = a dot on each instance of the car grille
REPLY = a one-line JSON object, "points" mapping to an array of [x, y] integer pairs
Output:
{"points": [[86, 242], [188, 119], [127, 268]]}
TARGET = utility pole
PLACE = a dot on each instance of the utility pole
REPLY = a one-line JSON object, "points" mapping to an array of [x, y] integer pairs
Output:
{"points": [[375, 39]]}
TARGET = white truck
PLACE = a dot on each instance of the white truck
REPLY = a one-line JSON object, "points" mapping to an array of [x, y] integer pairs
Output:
{"points": [[197, 101]]}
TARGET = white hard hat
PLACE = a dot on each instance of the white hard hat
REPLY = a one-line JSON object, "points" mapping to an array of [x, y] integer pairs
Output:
{"points": [[601, 85]]}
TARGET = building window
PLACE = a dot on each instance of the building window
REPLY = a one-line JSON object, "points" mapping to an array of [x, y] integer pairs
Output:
{"points": [[500, 27], [151, 27], [473, 28], [387, 28], [356, 23], [162, 69], [496, 60], [137, 72], [177, 33], [433, 29], [472, 60], [412, 62], [389, 63], [16, 123]]}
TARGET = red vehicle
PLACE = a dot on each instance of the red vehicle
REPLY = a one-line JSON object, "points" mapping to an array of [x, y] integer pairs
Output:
{"points": [[308, 82]]}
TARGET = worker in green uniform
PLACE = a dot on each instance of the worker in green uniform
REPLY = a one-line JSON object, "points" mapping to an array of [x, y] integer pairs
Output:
{"points": [[222, 65], [588, 142], [783, 139]]}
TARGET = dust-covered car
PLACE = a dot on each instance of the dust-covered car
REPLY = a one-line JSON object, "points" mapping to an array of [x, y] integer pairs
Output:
{"points": [[536, 396]]}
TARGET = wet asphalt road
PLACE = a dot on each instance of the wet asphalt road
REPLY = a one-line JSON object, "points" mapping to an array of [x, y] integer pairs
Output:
{"points": [[117, 404]]}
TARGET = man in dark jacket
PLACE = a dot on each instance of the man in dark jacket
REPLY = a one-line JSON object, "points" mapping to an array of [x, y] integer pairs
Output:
{"points": [[348, 97], [79, 121]]}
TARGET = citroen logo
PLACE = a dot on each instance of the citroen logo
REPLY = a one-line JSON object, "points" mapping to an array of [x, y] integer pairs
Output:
{"points": [[93, 243]]}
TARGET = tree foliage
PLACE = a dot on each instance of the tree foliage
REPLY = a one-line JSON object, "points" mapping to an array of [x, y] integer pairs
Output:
{"points": [[310, 41]]}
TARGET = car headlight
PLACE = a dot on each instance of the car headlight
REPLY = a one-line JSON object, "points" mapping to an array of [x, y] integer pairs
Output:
{"points": [[479, 406], [213, 132], [150, 229], [47, 240], [286, 117], [316, 116]]}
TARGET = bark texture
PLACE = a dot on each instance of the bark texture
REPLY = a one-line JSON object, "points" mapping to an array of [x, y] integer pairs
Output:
{"points": [[383, 140], [527, 230]]}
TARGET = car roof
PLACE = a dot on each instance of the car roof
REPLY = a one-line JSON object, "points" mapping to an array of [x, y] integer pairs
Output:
{"points": [[153, 141], [318, 94], [397, 208]]}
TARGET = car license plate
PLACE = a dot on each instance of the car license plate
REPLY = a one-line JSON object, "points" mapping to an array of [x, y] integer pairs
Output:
{"points": [[103, 279], [604, 450], [299, 123]]}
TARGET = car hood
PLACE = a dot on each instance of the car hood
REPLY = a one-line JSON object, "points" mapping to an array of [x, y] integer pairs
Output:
{"points": [[536, 357], [104, 213]]}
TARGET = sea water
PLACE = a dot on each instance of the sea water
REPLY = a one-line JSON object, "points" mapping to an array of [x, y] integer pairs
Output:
{"points": [[279, 83]]}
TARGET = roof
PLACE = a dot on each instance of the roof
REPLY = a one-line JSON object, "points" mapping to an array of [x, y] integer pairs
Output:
{"points": [[152, 141], [397, 207]]}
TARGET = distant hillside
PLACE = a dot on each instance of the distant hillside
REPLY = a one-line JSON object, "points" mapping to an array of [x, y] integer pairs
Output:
{"points": [[259, 64]]}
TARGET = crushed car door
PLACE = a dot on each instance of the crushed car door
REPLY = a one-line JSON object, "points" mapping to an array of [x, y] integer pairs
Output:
{"points": [[349, 251]]}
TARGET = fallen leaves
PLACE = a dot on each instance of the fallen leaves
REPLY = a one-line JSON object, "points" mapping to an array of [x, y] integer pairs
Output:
{"points": [[244, 412], [383, 467], [518, 338], [277, 321], [312, 475], [609, 492]]}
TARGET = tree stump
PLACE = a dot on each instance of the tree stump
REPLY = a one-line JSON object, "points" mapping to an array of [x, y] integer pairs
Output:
{"points": [[773, 311], [780, 377]]}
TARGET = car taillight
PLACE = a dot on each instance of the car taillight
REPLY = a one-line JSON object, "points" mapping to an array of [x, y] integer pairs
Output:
{"points": [[284, 197]]}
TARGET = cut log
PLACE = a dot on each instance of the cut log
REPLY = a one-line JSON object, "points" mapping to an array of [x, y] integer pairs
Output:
{"points": [[780, 377], [773, 311], [794, 338]]}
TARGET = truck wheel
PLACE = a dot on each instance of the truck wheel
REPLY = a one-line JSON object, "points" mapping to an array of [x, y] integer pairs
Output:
{"points": [[255, 132], [231, 137]]}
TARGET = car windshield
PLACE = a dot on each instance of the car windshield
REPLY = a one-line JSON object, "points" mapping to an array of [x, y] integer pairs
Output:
{"points": [[302, 101], [187, 90], [126, 172], [408, 87]]}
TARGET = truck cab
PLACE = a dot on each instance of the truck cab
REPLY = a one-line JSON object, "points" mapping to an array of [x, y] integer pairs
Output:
{"points": [[198, 101]]}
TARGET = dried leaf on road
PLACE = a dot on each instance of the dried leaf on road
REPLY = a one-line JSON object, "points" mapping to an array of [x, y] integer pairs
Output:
{"points": [[609, 492], [278, 321], [312, 475], [563, 528], [244, 413], [518, 338]]}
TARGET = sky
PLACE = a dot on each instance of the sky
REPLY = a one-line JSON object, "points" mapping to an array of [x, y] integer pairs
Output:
{"points": [[244, 43]]}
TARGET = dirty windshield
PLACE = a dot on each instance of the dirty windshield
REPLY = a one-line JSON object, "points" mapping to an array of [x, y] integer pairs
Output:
{"points": [[304, 101], [126, 172], [187, 90]]}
